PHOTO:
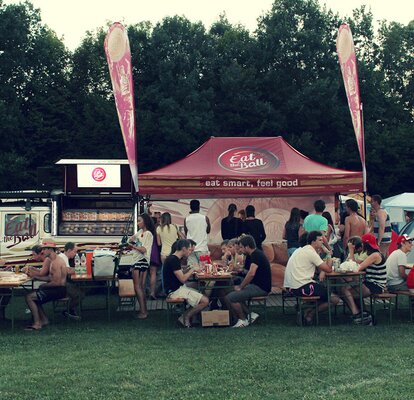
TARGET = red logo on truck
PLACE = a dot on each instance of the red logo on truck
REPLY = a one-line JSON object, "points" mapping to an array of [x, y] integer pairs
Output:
{"points": [[98, 174], [248, 159]]}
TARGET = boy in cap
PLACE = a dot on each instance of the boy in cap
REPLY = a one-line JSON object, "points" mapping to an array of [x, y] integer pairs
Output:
{"points": [[397, 264]]}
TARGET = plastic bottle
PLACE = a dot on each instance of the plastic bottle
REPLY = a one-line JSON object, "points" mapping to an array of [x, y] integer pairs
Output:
{"points": [[77, 265], [83, 263]]}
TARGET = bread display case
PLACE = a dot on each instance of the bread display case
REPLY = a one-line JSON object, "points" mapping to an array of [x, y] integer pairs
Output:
{"points": [[95, 222]]}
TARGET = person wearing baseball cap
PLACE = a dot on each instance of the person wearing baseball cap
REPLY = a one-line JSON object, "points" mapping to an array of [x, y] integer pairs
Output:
{"points": [[397, 264], [54, 289]]}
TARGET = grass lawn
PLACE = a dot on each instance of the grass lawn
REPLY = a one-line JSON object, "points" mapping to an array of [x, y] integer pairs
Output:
{"points": [[132, 359]]}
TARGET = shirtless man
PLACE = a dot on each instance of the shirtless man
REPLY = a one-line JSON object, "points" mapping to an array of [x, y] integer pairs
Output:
{"points": [[41, 274], [355, 225], [381, 227], [54, 289]]}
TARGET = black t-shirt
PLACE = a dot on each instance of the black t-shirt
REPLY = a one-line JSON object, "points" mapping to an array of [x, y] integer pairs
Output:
{"points": [[263, 276], [231, 228], [255, 228], [292, 234], [171, 283]]}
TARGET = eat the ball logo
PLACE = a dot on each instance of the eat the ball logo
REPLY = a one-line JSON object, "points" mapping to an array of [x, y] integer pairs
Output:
{"points": [[98, 174]]}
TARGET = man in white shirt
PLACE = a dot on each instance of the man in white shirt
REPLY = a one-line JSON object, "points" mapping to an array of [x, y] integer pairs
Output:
{"points": [[301, 269], [397, 264], [197, 227], [72, 290]]}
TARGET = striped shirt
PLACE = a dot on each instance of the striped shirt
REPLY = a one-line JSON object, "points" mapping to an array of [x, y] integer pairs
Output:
{"points": [[387, 231], [377, 273]]}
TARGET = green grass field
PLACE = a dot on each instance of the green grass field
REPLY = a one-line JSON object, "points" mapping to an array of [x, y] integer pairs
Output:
{"points": [[132, 359]]}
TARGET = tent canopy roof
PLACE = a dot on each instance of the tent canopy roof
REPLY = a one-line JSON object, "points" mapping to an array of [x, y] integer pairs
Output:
{"points": [[228, 166], [403, 200]]}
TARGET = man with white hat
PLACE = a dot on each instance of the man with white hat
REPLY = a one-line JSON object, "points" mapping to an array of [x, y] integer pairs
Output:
{"points": [[54, 289], [397, 264]]}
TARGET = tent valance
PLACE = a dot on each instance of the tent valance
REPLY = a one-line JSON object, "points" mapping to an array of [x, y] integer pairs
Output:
{"points": [[247, 167]]}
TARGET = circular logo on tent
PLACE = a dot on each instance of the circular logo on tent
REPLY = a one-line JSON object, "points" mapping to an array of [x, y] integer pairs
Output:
{"points": [[98, 174], [248, 160]]}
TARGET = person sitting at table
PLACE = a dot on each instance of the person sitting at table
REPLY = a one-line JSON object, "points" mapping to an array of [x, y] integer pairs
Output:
{"points": [[375, 278], [73, 291], [5, 296], [41, 274], [300, 270], [374, 266], [257, 282], [397, 265], [174, 281], [53, 290]]}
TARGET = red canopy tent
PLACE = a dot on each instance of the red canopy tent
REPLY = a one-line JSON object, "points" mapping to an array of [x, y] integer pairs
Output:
{"points": [[246, 167]]}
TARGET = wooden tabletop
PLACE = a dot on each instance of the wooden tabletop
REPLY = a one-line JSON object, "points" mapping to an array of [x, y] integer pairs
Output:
{"points": [[336, 274], [202, 276], [9, 282], [86, 277]]}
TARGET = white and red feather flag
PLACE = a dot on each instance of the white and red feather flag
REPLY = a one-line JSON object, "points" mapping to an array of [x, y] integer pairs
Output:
{"points": [[347, 60], [118, 55]]}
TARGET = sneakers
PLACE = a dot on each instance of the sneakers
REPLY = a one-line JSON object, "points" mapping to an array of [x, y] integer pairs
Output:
{"points": [[364, 318], [71, 315], [253, 317], [241, 323]]}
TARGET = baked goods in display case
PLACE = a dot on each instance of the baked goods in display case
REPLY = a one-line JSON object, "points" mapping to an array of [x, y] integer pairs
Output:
{"points": [[94, 222]]}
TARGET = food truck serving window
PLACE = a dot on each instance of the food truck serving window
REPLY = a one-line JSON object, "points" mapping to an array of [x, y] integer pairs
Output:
{"points": [[20, 225]]}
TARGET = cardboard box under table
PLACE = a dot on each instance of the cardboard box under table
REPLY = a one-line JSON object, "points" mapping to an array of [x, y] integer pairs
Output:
{"points": [[215, 318]]}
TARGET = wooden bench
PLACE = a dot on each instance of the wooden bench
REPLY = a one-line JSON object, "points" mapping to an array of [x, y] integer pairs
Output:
{"points": [[386, 299], [410, 296], [259, 300], [61, 305], [308, 302], [171, 304]]}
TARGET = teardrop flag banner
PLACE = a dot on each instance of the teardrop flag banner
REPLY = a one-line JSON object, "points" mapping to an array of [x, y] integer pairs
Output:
{"points": [[347, 61], [118, 55]]}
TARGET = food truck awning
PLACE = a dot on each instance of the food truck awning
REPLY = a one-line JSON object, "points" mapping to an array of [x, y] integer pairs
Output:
{"points": [[247, 167]]}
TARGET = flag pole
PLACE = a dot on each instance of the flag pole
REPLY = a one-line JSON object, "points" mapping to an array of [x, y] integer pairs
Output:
{"points": [[364, 170]]}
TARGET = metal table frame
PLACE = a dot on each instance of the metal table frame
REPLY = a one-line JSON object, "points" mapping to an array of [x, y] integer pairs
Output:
{"points": [[338, 276], [89, 282]]}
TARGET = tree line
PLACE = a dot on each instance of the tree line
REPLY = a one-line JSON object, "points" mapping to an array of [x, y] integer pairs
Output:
{"points": [[192, 83]]}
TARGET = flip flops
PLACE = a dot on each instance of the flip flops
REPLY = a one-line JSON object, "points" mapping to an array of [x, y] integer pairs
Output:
{"points": [[31, 328]]}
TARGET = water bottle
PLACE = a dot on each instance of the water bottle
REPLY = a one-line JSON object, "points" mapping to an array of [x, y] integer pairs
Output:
{"points": [[78, 270], [83, 263]]}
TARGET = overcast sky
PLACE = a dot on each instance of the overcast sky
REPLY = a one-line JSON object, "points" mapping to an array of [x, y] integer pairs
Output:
{"points": [[70, 19]]}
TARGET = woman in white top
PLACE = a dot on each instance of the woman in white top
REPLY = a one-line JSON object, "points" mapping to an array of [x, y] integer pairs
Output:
{"points": [[167, 234], [141, 245]]}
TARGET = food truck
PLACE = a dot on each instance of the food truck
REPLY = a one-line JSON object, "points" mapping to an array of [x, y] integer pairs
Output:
{"points": [[96, 207]]}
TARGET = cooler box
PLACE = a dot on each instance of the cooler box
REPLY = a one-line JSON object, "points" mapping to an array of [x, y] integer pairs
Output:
{"points": [[215, 318], [103, 262]]}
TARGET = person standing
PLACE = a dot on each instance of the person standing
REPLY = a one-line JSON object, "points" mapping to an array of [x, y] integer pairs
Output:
{"points": [[197, 227], [254, 227], [381, 228], [231, 226], [397, 263], [167, 234], [293, 230], [355, 225], [257, 282], [316, 222], [141, 245]]}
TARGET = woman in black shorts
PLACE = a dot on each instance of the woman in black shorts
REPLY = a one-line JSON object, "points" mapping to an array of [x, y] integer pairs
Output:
{"points": [[141, 245]]}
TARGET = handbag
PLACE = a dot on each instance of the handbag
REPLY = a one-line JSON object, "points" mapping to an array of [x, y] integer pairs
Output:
{"points": [[103, 263]]}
